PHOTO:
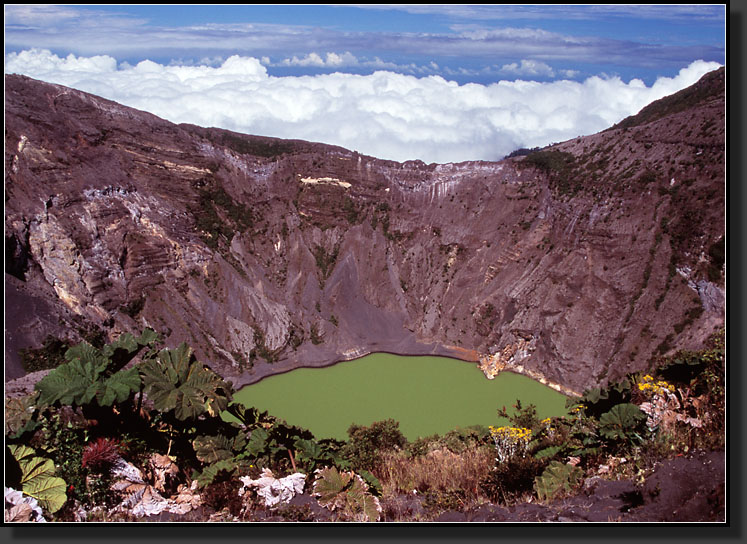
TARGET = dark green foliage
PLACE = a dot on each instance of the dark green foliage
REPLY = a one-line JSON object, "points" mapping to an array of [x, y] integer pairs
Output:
{"points": [[218, 216], [623, 422], [559, 166], [95, 374], [177, 382], [316, 336], [211, 449], [283, 447], [250, 417], [50, 355], [702, 370], [557, 478], [325, 260], [717, 258], [522, 151], [351, 210], [225, 468], [261, 350], [366, 444], [682, 367], [548, 452], [457, 441], [134, 307], [463, 438], [510, 480], [345, 494], [221, 454], [710, 85], [253, 145], [598, 400], [64, 443], [522, 417]]}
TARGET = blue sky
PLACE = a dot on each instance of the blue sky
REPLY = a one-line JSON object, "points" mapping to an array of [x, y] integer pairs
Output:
{"points": [[435, 82], [463, 43]]}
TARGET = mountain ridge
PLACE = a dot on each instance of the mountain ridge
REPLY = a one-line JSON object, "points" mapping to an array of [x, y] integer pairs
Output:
{"points": [[268, 254]]}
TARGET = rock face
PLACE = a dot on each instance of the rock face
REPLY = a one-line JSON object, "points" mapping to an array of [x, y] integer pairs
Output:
{"points": [[267, 254]]}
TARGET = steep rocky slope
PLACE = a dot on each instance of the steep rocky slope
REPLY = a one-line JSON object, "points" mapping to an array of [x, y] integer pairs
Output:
{"points": [[574, 264]]}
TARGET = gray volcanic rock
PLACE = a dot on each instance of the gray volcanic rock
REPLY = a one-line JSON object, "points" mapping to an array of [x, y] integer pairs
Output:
{"points": [[266, 254]]}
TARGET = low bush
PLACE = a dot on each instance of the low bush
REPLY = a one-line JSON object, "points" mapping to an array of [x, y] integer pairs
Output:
{"points": [[367, 444], [513, 479]]}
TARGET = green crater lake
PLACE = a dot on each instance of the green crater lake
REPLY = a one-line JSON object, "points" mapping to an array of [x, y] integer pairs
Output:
{"points": [[427, 395]]}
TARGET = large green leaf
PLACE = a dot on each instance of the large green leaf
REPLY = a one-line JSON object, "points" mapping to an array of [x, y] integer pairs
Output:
{"points": [[38, 479], [550, 451], [91, 373], [346, 492], [329, 484], [364, 506], [75, 382], [209, 473], [126, 347], [118, 387], [557, 477], [251, 417], [258, 443], [176, 381], [285, 436], [210, 449], [620, 421], [308, 449], [374, 485]]}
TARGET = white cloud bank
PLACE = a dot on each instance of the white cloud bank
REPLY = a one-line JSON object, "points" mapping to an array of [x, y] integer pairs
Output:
{"points": [[387, 115]]}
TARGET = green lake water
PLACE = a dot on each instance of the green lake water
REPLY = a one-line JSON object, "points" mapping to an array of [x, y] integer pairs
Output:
{"points": [[426, 395]]}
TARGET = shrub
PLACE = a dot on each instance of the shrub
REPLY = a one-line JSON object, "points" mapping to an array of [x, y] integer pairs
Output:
{"points": [[366, 444], [512, 479]]}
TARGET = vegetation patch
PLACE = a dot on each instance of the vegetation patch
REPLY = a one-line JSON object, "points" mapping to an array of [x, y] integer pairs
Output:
{"points": [[253, 145], [50, 355], [683, 100], [218, 216], [325, 260], [64, 440], [559, 166]]}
